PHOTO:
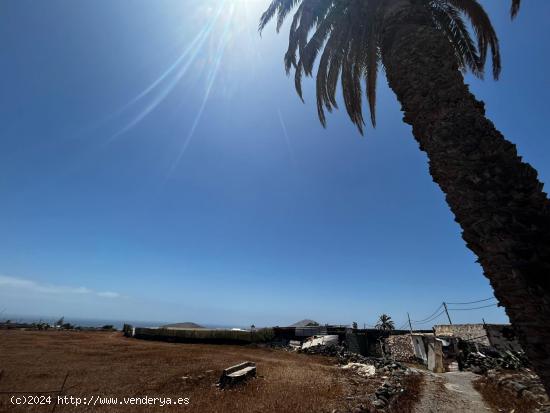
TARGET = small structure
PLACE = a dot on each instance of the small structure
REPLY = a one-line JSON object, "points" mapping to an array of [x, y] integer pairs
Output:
{"points": [[476, 333], [435, 356], [237, 374], [128, 330], [499, 336], [420, 347]]}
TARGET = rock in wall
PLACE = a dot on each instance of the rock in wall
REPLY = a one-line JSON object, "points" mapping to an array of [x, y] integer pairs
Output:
{"points": [[400, 347]]}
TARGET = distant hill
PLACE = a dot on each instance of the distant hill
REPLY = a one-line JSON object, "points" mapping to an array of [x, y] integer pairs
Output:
{"points": [[305, 323], [187, 324]]}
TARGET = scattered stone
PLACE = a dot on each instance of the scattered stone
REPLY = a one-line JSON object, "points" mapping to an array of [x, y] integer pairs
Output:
{"points": [[522, 384], [364, 370], [324, 350], [379, 404], [400, 347], [479, 359], [390, 370]]}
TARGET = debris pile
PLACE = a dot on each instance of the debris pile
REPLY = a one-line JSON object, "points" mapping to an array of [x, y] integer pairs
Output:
{"points": [[384, 365], [365, 370], [324, 340], [324, 350], [389, 389], [392, 372], [480, 359]]}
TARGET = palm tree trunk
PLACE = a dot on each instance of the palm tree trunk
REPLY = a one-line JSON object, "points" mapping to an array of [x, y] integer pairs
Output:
{"points": [[495, 197]]}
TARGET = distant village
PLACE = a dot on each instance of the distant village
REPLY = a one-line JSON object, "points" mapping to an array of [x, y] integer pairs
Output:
{"points": [[60, 324]]}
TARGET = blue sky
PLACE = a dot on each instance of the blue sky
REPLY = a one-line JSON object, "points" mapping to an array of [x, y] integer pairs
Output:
{"points": [[156, 164]]}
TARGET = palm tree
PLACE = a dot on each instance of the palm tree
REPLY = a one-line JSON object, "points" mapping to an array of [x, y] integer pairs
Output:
{"points": [[424, 47], [385, 323]]}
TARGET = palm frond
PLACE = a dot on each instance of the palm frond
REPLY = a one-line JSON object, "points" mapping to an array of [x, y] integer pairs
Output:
{"points": [[449, 21], [486, 35], [373, 59], [328, 73], [345, 37], [281, 8]]}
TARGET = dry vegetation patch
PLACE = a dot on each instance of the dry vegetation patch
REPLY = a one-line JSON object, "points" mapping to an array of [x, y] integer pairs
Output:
{"points": [[499, 400], [503, 398], [108, 364], [406, 401]]}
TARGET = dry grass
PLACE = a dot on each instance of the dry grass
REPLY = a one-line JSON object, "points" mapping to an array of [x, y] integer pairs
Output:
{"points": [[500, 399], [108, 364], [406, 401]]}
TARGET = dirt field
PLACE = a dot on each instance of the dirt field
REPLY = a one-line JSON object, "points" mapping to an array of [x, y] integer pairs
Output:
{"points": [[109, 365]]}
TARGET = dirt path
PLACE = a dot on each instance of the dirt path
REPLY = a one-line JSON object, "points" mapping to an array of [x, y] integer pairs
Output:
{"points": [[451, 393]]}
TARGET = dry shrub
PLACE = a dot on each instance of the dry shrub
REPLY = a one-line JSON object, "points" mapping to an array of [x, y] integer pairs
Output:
{"points": [[407, 400]]}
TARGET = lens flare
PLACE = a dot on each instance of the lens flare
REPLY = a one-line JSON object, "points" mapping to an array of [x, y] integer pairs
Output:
{"points": [[178, 69], [223, 21], [210, 82]]}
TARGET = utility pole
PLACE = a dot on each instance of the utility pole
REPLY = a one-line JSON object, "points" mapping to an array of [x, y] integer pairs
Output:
{"points": [[410, 325], [447, 312]]}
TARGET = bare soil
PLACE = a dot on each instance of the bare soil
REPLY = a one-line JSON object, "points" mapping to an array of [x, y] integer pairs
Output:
{"points": [[451, 393], [107, 364]]}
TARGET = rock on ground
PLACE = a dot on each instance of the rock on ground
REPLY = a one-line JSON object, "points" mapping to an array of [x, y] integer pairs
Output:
{"points": [[364, 370]]}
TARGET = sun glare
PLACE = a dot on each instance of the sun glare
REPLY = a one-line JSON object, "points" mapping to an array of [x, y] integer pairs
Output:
{"points": [[223, 27]]}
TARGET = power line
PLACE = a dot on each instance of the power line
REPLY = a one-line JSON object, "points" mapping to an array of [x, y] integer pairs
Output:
{"points": [[443, 309], [473, 308], [432, 319], [402, 326], [473, 302], [435, 312]]}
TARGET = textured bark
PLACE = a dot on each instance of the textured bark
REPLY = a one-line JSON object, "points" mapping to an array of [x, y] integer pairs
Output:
{"points": [[495, 197]]}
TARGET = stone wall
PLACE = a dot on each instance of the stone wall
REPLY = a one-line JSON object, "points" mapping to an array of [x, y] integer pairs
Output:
{"points": [[204, 335], [471, 332], [400, 347]]}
